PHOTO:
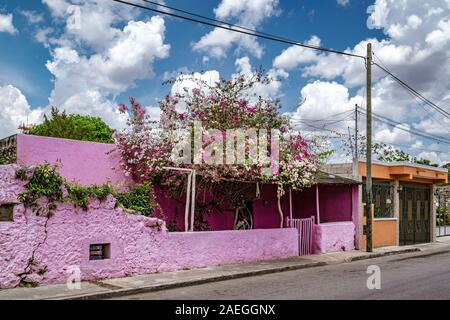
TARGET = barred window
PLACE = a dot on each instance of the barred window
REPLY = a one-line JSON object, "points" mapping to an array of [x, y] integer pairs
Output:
{"points": [[383, 199], [99, 251]]}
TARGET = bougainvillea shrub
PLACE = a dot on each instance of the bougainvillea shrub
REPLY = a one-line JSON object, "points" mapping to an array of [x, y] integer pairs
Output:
{"points": [[203, 118]]}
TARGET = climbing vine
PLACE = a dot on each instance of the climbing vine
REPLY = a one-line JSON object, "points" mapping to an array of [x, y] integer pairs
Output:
{"points": [[45, 188], [8, 155]]}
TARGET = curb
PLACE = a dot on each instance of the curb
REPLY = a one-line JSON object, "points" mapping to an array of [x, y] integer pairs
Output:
{"points": [[153, 288], [383, 254]]}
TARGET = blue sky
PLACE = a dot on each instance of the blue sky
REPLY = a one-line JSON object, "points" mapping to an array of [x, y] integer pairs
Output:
{"points": [[42, 62], [24, 59]]}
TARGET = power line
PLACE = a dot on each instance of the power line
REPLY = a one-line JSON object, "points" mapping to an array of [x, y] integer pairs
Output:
{"points": [[235, 28], [415, 97], [414, 92], [399, 125], [210, 19], [325, 119], [410, 130], [377, 117], [243, 30], [340, 134]]}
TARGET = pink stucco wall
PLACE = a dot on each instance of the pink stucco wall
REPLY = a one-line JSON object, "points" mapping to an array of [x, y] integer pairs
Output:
{"points": [[97, 163], [138, 244], [81, 161], [335, 236]]}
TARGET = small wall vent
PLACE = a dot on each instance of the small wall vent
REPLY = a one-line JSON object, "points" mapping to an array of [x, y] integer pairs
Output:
{"points": [[99, 251]]}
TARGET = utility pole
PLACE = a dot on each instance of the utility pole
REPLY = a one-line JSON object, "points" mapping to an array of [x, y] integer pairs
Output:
{"points": [[355, 153], [369, 197]]}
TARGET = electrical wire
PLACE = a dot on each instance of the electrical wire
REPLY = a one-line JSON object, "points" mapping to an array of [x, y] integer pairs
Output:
{"points": [[236, 28], [399, 125], [375, 140], [417, 98], [414, 92]]}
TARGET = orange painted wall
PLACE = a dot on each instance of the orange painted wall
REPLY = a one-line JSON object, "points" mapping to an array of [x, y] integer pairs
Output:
{"points": [[384, 233], [404, 173]]}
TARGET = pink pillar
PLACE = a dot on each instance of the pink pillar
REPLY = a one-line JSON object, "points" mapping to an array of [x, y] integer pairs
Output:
{"points": [[355, 211], [317, 204], [290, 204]]}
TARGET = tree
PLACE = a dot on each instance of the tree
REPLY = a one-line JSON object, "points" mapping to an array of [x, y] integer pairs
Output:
{"points": [[73, 126], [388, 153], [222, 108]]}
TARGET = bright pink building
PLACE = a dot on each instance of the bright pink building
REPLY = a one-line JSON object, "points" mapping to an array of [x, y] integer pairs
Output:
{"points": [[324, 218]]}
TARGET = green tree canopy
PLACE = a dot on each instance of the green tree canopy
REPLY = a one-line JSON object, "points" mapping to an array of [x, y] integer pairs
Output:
{"points": [[73, 126], [388, 153]]}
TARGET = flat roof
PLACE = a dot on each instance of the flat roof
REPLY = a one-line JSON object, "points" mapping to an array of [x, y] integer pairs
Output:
{"points": [[399, 163], [408, 164], [329, 178]]}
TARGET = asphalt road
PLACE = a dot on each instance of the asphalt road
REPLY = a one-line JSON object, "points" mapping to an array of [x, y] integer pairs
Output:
{"points": [[406, 276]]}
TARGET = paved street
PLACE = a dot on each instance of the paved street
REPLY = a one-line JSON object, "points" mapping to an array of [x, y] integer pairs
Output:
{"points": [[406, 276]]}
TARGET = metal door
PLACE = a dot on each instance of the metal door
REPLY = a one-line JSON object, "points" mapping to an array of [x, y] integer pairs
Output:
{"points": [[305, 228], [415, 209]]}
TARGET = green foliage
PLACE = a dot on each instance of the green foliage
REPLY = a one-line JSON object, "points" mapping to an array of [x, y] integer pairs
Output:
{"points": [[73, 126], [391, 154], [44, 182], [442, 215], [80, 195], [7, 155], [323, 156], [140, 198]]}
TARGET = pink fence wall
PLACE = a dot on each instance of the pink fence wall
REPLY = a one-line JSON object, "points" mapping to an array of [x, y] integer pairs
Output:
{"points": [[81, 161], [334, 236], [138, 245], [96, 163]]}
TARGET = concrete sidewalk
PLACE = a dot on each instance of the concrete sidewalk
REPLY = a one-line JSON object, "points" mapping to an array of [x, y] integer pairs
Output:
{"points": [[153, 282]]}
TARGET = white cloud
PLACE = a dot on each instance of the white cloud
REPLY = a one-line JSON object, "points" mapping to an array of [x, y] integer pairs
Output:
{"points": [[416, 49], [191, 81], [93, 103], [434, 157], [112, 70], [186, 82], [266, 90], [324, 100], [6, 24], [175, 73], [342, 2], [42, 35], [58, 8], [294, 56], [32, 17], [153, 112], [14, 110], [90, 65], [397, 135], [250, 14]]}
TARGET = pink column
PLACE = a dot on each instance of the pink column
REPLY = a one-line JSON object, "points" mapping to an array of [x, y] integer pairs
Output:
{"points": [[317, 204]]}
